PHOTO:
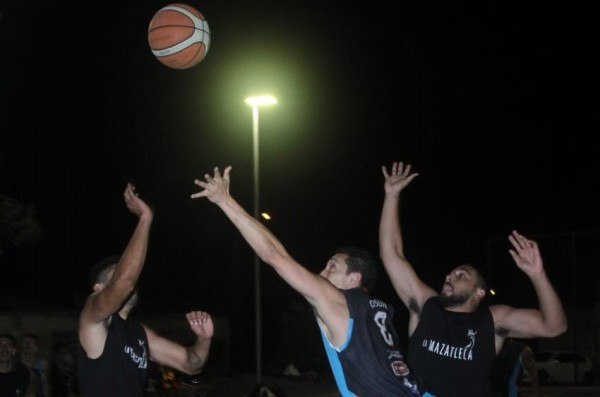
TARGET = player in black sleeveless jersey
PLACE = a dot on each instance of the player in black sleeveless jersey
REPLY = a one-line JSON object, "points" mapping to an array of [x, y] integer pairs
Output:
{"points": [[113, 349], [453, 340]]}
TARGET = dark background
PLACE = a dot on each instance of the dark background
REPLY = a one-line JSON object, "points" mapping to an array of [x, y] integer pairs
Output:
{"points": [[495, 105]]}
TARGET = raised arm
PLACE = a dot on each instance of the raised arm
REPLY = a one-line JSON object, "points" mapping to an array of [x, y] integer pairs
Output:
{"points": [[101, 304], [186, 359], [550, 319], [319, 292], [411, 290]]}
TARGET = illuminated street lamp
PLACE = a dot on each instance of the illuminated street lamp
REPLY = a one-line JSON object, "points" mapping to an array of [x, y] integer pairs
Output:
{"points": [[255, 103]]}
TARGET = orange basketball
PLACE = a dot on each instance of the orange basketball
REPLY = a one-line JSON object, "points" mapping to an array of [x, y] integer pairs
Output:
{"points": [[179, 36]]}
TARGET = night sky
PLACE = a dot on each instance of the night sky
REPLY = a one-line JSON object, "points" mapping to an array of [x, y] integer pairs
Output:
{"points": [[494, 105]]}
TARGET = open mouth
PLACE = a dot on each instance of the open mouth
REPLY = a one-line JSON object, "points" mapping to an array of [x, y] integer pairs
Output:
{"points": [[447, 288]]}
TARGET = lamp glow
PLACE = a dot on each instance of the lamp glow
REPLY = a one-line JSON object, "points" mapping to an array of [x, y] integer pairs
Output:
{"points": [[261, 100]]}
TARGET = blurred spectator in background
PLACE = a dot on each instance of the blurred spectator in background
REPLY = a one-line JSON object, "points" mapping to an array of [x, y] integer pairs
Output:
{"points": [[507, 373], [63, 369], [30, 356], [18, 225], [15, 378]]}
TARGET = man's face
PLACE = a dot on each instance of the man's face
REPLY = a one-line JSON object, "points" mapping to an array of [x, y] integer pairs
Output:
{"points": [[28, 345], [460, 286], [336, 271], [7, 350]]}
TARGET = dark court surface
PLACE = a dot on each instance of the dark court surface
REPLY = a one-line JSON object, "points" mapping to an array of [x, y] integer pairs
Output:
{"points": [[245, 385], [563, 391]]}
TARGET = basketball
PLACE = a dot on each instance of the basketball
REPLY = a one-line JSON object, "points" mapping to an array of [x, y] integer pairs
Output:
{"points": [[179, 36]]}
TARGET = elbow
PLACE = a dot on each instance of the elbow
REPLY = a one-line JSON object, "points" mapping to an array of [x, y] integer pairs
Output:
{"points": [[125, 285], [561, 325], [561, 328], [197, 356], [193, 370], [272, 254], [194, 365], [557, 329], [384, 253], [388, 256]]}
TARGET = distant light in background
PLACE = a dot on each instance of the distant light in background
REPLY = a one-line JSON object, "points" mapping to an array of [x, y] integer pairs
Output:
{"points": [[265, 216], [492, 291]]}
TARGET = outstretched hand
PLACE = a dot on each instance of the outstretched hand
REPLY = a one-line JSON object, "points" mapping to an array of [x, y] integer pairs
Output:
{"points": [[201, 324], [134, 203], [398, 177], [526, 254], [216, 187]]}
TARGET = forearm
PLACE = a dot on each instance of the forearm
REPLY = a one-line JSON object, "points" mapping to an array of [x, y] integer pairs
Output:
{"points": [[554, 317], [411, 290], [198, 355], [99, 306], [390, 237], [262, 241], [134, 255]]}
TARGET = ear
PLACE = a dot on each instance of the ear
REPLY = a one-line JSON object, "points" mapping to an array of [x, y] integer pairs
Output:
{"points": [[480, 293], [356, 278]]}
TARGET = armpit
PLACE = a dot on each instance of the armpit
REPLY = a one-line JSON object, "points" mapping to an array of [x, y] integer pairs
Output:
{"points": [[413, 306], [502, 332]]}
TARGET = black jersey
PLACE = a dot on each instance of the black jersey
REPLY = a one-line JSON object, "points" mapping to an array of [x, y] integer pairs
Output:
{"points": [[370, 363], [453, 352], [122, 368], [16, 382]]}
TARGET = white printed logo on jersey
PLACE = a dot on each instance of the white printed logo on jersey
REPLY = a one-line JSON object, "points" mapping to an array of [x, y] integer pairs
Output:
{"points": [[456, 352]]}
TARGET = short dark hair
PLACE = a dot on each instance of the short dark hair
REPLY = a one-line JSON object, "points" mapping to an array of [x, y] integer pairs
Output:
{"points": [[97, 273], [481, 281], [363, 262], [481, 277], [31, 335], [483, 284]]}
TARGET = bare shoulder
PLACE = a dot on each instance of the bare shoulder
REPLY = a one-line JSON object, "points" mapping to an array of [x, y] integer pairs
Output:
{"points": [[86, 314], [92, 337], [150, 333], [500, 311]]}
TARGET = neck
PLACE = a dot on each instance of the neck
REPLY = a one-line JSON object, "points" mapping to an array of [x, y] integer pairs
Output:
{"points": [[460, 309], [464, 307], [123, 313], [28, 359]]}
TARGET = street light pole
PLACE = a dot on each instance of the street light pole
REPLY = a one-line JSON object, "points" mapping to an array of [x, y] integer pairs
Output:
{"points": [[255, 103]]}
